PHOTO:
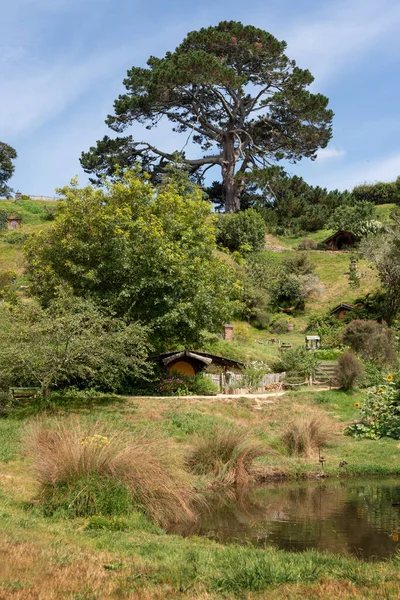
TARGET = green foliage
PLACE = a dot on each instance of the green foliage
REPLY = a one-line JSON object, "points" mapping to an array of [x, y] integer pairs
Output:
{"points": [[349, 371], [241, 332], [289, 205], [7, 155], [86, 496], [378, 193], [379, 413], [278, 325], [371, 340], [3, 219], [71, 341], [181, 385], [145, 252], [329, 329], [240, 81], [352, 217], [16, 237], [296, 282], [260, 318], [298, 360], [242, 232]]}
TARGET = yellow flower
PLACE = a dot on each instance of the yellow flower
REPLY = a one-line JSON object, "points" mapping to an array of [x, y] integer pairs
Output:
{"points": [[380, 391], [357, 405], [389, 378]]}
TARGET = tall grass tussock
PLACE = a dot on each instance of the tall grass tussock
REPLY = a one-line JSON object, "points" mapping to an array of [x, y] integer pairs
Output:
{"points": [[86, 471], [305, 435], [226, 453]]}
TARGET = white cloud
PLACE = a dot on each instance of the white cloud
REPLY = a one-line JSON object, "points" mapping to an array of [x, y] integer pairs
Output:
{"points": [[341, 34], [326, 154], [380, 169]]}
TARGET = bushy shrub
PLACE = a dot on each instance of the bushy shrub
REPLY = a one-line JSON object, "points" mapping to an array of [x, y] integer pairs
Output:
{"points": [[349, 371], [260, 318], [373, 341], [241, 332], [307, 244], [242, 232], [203, 386], [279, 326], [328, 354], [226, 453], [16, 237], [305, 435], [93, 471], [297, 360]]}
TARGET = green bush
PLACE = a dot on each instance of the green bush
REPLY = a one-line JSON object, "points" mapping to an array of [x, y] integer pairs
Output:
{"points": [[260, 318], [242, 232], [16, 237], [297, 360], [349, 371], [203, 386], [328, 354], [279, 326]]}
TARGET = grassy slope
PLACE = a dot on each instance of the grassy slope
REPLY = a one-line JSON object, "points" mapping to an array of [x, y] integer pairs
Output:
{"points": [[33, 219], [51, 558]]}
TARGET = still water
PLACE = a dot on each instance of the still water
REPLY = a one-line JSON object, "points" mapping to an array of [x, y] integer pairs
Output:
{"points": [[358, 517]]}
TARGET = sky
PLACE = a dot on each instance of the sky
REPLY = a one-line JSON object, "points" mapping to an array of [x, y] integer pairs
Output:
{"points": [[62, 63]]}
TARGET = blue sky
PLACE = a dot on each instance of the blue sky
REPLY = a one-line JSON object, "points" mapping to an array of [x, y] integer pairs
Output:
{"points": [[62, 63]]}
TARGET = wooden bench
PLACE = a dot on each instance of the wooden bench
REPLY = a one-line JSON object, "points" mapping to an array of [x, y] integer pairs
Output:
{"points": [[23, 393]]}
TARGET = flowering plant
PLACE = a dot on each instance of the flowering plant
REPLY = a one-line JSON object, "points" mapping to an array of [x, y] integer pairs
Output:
{"points": [[380, 413]]}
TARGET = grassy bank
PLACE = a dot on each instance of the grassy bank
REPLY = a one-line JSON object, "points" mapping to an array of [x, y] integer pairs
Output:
{"points": [[129, 557]]}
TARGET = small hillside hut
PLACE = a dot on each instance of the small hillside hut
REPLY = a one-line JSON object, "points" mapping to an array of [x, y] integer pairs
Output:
{"points": [[340, 240], [341, 310], [186, 362], [13, 222]]}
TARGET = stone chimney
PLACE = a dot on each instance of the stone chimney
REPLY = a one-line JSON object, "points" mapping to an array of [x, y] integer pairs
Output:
{"points": [[228, 332]]}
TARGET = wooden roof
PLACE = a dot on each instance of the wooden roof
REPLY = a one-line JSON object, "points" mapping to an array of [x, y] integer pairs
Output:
{"points": [[337, 234], [168, 357], [342, 306]]}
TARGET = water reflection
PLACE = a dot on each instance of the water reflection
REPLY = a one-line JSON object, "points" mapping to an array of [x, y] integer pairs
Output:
{"points": [[357, 517]]}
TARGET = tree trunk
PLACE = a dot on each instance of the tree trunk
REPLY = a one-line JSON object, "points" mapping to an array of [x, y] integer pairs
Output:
{"points": [[232, 191]]}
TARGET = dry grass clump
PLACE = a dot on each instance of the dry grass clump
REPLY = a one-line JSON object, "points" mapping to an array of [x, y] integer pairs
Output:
{"points": [[305, 435], [89, 471], [226, 453]]}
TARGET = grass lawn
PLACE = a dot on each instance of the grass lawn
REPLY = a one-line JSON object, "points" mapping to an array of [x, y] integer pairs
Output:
{"points": [[55, 557]]}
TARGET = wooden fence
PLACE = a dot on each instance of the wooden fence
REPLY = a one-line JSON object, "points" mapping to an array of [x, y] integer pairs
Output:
{"points": [[234, 380]]}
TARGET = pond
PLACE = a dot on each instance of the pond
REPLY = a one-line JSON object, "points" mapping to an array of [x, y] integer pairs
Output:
{"points": [[354, 516]]}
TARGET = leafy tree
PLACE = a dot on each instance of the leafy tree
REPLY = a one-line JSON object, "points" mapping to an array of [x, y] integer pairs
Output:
{"points": [[72, 340], [353, 217], [378, 193], [7, 155], [146, 252], [241, 232], [289, 203], [236, 93]]}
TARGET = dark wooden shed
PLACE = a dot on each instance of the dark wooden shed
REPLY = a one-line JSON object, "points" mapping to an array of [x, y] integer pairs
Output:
{"points": [[341, 310], [186, 362], [340, 240]]}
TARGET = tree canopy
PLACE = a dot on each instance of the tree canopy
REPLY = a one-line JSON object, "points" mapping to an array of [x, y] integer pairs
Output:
{"points": [[148, 253], [72, 341], [237, 95], [7, 155]]}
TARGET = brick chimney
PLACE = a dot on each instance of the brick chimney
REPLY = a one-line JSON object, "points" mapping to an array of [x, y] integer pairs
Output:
{"points": [[228, 332]]}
